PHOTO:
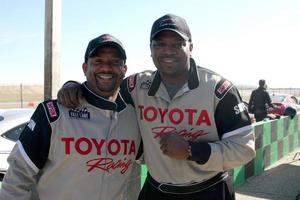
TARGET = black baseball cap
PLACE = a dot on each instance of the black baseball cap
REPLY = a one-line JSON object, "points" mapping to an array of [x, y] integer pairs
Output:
{"points": [[105, 39], [171, 22]]}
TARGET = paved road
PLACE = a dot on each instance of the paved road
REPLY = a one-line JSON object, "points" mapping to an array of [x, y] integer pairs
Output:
{"points": [[280, 181]]}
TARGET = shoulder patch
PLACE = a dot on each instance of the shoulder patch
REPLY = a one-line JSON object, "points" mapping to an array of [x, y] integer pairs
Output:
{"points": [[146, 84], [131, 82], [51, 110], [222, 88]]}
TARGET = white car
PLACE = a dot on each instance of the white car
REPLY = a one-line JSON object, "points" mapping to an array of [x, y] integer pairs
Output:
{"points": [[12, 122]]}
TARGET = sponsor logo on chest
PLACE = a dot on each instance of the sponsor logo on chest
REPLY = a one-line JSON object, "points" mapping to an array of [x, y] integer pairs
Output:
{"points": [[82, 113], [112, 154], [193, 123]]}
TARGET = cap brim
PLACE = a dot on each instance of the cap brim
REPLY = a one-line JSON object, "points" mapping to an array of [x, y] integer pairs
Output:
{"points": [[110, 43], [170, 29]]}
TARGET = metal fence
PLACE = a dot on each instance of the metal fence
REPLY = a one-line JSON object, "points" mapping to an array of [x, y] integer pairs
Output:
{"points": [[246, 91]]}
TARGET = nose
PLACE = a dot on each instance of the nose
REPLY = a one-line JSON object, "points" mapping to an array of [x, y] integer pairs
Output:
{"points": [[105, 67], [169, 50]]}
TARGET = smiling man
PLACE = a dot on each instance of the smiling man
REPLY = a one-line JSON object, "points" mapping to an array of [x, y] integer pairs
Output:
{"points": [[87, 152]]}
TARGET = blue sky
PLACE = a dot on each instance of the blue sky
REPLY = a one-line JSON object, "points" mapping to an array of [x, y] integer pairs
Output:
{"points": [[243, 40]]}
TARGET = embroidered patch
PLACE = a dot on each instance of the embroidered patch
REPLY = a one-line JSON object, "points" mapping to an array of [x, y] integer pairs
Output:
{"points": [[131, 82], [146, 84], [31, 124], [222, 87], [51, 109], [79, 113]]}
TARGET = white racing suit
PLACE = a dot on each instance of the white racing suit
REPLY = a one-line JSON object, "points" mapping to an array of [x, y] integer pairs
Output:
{"points": [[207, 110], [86, 153]]}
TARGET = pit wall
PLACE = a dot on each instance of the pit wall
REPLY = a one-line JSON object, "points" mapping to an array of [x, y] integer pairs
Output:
{"points": [[274, 139]]}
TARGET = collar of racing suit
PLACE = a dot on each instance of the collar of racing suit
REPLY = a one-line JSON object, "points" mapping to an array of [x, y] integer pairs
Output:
{"points": [[193, 81], [101, 102]]}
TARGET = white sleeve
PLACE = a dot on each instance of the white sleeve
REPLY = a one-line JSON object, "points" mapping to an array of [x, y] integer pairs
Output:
{"points": [[20, 179]]}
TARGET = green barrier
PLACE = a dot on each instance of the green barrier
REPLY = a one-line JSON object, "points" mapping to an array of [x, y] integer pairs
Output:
{"points": [[274, 139]]}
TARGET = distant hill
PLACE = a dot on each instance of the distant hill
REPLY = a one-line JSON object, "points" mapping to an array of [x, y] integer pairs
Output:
{"points": [[12, 93]]}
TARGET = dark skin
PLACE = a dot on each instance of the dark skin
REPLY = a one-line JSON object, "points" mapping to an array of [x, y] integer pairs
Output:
{"points": [[170, 54]]}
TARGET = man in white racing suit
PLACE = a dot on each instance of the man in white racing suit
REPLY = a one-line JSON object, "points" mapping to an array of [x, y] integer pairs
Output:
{"points": [[87, 152]]}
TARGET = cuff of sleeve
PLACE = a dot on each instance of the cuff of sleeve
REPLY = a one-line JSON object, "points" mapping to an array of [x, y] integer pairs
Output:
{"points": [[200, 152]]}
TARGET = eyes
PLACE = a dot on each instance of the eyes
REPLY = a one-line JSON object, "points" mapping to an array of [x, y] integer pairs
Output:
{"points": [[99, 62], [158, 45]]}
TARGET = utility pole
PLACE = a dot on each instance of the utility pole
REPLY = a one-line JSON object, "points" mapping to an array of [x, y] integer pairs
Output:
{"points": [[52, 48], [21, 94]]}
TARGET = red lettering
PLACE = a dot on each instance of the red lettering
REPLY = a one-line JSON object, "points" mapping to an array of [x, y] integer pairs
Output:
{"points": [[67, 144], [132, 149], [114, 151], [141, 111], [107, 164], [172, 116], [190, 115], [125, 142], [98, 145], [175, 115], [162, 130], [79, 143], [162, 113], [191, 134], [153, 113], [203, 118], [84, 146]]}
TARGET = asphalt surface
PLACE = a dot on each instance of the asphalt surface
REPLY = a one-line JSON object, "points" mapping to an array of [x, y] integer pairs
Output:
{"points": [[280, 181]]}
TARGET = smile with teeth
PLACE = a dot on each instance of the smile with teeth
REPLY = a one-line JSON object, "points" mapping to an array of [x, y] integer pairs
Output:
{"points": [[105, 76], [168, 60]]}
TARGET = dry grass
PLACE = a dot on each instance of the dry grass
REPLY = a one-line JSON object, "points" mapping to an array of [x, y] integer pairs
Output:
{"points": [[10, 95]]}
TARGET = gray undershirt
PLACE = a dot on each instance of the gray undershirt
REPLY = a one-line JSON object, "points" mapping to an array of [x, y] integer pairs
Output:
{"points": [[172, 89]]}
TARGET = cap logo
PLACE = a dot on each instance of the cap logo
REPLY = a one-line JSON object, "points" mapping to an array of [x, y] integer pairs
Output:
{"points": [[106, 38], [167, 22]]}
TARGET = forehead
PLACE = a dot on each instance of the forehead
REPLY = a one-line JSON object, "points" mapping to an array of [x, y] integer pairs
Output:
{"points": [[107, 50], [168, 35]]}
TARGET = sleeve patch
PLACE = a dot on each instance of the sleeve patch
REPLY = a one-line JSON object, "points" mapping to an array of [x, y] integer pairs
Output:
{"points": [[131, 82], [222, 88], [51, 109], [31, 124]]}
